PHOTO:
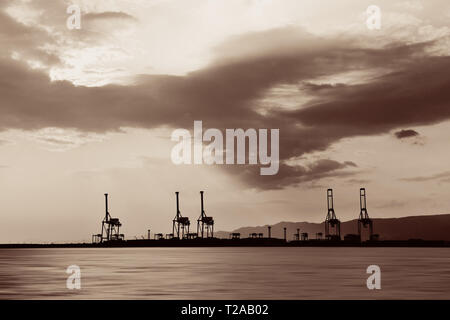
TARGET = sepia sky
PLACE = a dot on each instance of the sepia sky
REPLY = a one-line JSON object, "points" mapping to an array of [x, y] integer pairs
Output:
{"points": [[89, 111]]}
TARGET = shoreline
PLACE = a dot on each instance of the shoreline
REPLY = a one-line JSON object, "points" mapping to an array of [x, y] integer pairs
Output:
{"points": [[249, 242]]}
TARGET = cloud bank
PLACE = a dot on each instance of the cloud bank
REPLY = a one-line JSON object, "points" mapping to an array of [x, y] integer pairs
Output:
{"points": [[410, 87]]}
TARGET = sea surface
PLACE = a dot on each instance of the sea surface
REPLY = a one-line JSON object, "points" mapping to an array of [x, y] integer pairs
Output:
{"points": [[225, 273]]}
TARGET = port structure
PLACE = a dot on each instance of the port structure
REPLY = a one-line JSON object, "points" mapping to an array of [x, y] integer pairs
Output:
{"points": [[204, 223], [332, 223], [255, 235], [159, 236], [297, 235], [180, 224], [235, 235], [110, 228], [364, 220]]}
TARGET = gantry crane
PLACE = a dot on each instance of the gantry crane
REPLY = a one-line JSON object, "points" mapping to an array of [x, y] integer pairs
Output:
{"points": [[110, 227], [364, 221], [180, 224], [331, 221], [205, 223]]}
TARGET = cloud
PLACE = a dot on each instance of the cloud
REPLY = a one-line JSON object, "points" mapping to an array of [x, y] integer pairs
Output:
{"points": [[391, 204], [413, 89], [101, 16], [443, 176], [402, 134], [57, 139], [358, 181], [24, 41], [110, 22], [291, 175]]}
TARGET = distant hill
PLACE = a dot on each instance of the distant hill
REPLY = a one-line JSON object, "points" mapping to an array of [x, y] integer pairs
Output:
{"points": [[427, 227]]}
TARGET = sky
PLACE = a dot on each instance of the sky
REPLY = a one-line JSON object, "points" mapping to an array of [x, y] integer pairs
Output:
{"points": [[91, 110]]}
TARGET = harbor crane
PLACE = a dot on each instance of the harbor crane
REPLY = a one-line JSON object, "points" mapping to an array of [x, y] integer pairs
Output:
{"points": [[110, 227], [364, 220], [205, 223], [180, 224], [332, 223]]}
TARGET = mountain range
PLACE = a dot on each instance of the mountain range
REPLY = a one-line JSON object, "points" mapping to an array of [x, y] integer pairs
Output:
{"points": [[426, 227]]}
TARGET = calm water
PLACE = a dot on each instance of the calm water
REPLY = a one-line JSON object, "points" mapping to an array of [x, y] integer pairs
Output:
{"points": [[225, 273]]}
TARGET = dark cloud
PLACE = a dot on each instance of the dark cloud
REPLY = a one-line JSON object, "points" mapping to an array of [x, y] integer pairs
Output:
{"points": [[443, 176], [413, 95], [294, 174], [38, 41], [96, 23], [56, 141], [358, 181], [24, 41], [391, 204], [402, 134], [228, 92], [101, 16]]}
